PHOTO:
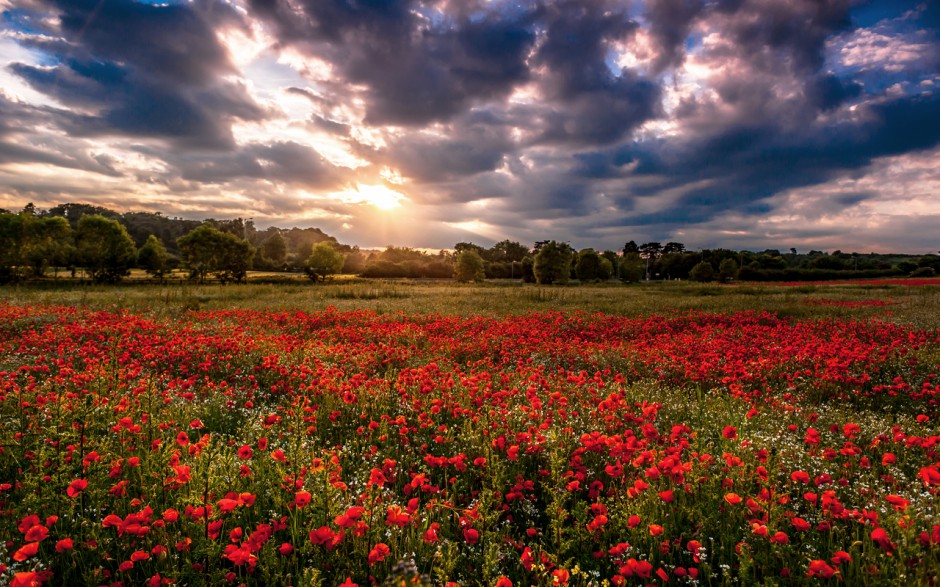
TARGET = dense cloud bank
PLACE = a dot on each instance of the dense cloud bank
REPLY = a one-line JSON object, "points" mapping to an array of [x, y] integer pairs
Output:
{"points": [[770, 122]]}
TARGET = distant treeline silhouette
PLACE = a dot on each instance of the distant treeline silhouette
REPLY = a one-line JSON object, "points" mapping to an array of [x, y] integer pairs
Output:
{"points": [[104, 245]]}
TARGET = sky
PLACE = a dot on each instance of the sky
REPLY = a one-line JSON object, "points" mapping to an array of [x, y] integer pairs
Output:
{"points": [[745, 124]]}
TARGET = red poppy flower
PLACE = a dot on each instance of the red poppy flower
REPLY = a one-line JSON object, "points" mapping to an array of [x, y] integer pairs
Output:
{"points": [[76, 487], [36, 534], [27, 551], [378, 553], [471, 535], [302, 498], [26, 579]]}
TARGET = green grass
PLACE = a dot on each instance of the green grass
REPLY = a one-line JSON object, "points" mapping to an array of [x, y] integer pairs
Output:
{"points": [[908, 305]]}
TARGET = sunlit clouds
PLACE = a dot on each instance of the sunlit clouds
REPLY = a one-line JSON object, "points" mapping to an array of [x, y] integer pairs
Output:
{"points": [[753, 124]]}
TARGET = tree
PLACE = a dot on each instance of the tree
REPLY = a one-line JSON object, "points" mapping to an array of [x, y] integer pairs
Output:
{"points": [[103, 248], [506, 251], [651, 251], [553, 263], [632, 268], [673, 247], [630, 247], [274, 250], [208, 250], [702, 272], [152, 257], [48, 243], [11, 241], [727, 270], [592, 267], [324, 262], [469, 266], [355, 262]]}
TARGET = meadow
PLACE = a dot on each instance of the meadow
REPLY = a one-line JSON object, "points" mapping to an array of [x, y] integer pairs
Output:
{"points": [[370, 432]]}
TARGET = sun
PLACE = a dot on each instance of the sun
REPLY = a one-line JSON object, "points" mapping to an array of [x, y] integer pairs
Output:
{"points": [[380, 196]]}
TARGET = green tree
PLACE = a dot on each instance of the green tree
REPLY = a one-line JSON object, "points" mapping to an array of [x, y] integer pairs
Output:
{"points": [[324, 262], [235, 258], [727, 270], [208, 250], [46, 242], [506, 251], [274, 250], [592, 267], [702, 272], [553, 263], [11, 241], [469, 266], [103, 248], [355, 262], [632, 268], [152, 257]]}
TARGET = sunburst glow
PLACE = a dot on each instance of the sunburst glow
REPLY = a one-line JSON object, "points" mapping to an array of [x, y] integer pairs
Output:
{"points": [[380, 196]]}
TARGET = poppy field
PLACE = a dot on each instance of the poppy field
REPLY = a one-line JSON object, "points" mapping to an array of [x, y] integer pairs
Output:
{"points": [[352, 447]]}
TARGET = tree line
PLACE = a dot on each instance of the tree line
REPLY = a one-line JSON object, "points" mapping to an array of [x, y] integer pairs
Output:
{"points": [[104, 245]]}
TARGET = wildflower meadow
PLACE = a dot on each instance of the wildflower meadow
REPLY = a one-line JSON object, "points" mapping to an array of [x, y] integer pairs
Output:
{"points": [[356, 447]]}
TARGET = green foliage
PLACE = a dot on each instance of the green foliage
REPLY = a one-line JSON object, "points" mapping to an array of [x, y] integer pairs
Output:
{"points": [[727, 270], [208, 250], [592, 267], [274, 250], [703, 272], [324, 262], [469, 266], [632, 268], [405, 262], [152, 257], [11, 240], [103, 248], [553, 263]]}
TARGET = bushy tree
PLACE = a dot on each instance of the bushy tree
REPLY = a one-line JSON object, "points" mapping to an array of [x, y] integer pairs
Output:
{"points": [[632, 268], [727, 270], [469, 266], [702, 272], [46, 242], [324, 262], [355, 262], [274, 250], [152, 257], [104, 248], [208, 250], [11, 241], [592, 267], [553, 263]]}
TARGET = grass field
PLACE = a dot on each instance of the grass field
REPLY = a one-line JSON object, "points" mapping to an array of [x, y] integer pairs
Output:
{"points": [[369, 432], [911, 304]]}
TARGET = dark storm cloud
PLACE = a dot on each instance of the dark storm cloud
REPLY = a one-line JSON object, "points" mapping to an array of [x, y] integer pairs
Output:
{"points": [[281, 162], [142, 70], [416, 70], [745, 165], [472, 144], [670, 23], [585, 101]]}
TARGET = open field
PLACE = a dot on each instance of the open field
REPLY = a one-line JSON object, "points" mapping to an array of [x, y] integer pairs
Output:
{"points": [[916, 305], [497, 434]]}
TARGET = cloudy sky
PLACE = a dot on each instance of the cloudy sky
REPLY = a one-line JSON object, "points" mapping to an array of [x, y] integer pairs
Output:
{"points": [[736, 123]]}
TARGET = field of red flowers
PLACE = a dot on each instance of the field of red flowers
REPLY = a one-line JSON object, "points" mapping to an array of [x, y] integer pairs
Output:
{"points": [[340, 448]]}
